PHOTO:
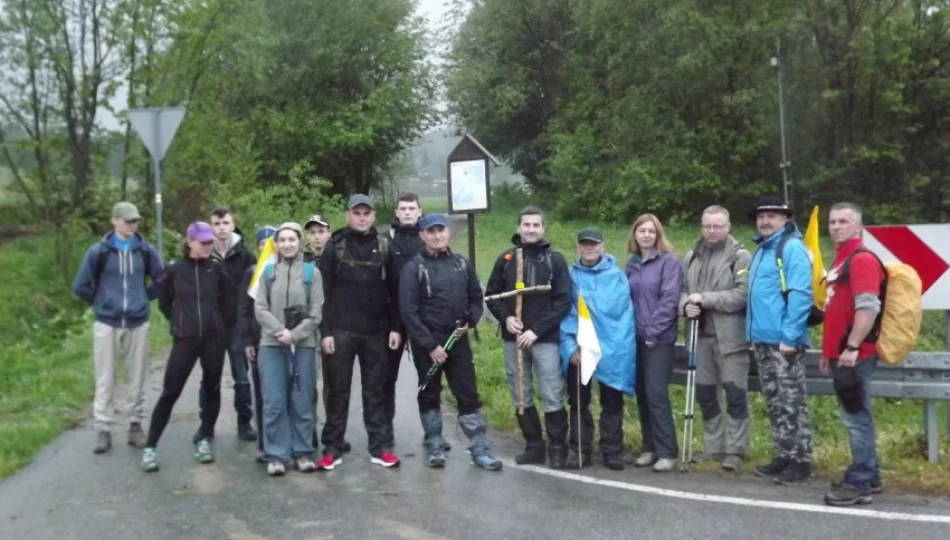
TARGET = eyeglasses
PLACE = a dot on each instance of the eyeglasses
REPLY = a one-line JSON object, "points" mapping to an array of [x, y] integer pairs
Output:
{"points": [[131, 221], [714, 227]]}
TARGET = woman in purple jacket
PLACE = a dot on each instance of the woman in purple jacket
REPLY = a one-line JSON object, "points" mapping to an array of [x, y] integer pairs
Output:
{"points": [[655, 276]]}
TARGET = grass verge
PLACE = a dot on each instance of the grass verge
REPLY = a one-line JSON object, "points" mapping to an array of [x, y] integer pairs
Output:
{"points": [[900, 433], [46, 384], [41, 395]]}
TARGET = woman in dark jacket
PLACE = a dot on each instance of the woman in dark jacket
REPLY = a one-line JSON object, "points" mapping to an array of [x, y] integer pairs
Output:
{"points": [[655, 276], [194, 298]]}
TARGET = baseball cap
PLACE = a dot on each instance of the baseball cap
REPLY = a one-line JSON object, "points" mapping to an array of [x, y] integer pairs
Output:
{"points": [[590, 234], [359, 199], [431, 220], [316, 219], [125, 211], [200, 231]]}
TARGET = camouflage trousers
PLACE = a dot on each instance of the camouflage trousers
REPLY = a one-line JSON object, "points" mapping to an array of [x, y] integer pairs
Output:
{"points": [[783, 387]]}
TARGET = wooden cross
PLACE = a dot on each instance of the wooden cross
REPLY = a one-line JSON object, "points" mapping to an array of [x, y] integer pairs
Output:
{"points": [[518, 293]]}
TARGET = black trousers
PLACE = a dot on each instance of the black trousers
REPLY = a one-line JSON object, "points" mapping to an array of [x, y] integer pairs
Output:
{"points": [[337, 383], [611, 416], [394, 361], [185, 352], [459, 372], [258, 400]]}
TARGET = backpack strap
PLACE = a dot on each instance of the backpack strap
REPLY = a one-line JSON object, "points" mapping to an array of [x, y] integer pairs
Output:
{"points": [[423, 276], [845, 274], [308, 269], [339, 250], [780, 262]]}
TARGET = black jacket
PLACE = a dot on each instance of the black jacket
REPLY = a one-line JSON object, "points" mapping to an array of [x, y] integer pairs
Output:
{"points": [[541, 312], [197, 298], [236, 261], [247, 321], [358, 291], [436, 290], [405, 244]]}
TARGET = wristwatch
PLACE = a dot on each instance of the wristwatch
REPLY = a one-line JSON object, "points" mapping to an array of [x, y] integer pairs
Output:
{"points": [[851, 348]]}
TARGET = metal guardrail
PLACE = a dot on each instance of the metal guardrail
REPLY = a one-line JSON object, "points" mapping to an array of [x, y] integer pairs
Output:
{"points": [[923, 376]]}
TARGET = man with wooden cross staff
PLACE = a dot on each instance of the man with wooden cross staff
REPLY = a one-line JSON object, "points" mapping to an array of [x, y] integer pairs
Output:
{"points": [[529, 293]]}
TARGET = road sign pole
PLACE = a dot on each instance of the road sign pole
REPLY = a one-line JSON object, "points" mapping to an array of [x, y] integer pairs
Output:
{"points": [[157, 166], [148, 124]]}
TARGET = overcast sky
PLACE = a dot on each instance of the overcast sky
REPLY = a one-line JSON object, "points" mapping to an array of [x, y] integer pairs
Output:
{"points": [[432, 10]]}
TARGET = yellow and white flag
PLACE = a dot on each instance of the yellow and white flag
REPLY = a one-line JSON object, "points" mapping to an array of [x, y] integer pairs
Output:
{"points": [[587, 341], [818, 286], [267, 256]]}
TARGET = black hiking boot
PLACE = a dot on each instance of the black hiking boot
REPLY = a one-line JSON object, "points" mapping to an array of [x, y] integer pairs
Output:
{"points": [[776, 467], [530, 424], [614, 462], [555, 424], [876, 486], [847, 496], [574, 460], [797, 472], [246, 432]]}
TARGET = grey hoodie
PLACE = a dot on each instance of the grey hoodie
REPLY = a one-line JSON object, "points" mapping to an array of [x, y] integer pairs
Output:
{"points": [[269, 312]]}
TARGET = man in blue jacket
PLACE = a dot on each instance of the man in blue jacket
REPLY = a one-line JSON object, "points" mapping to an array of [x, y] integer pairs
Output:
{"points": [[780, 301], [603, 286], [112, 278]]}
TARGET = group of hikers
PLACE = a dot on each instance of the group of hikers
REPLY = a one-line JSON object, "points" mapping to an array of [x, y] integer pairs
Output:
{"points": [[358, 293]]}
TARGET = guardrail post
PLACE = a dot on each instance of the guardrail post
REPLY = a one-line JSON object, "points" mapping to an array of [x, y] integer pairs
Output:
{"points": [[932, 430]]}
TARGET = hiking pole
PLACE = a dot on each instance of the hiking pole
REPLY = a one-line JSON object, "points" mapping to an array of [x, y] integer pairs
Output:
{"points": [[580, 430], [435, 367], [519, 354], [686, 457]]}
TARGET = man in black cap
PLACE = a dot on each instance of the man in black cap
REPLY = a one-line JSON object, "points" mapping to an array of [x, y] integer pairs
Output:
{"points": [[536, 333], [780, 301], [360, 319], [440, 295], [318, 232]]}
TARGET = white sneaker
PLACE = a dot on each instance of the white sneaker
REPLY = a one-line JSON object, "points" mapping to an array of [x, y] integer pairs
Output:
{"points": [[664, 465], [275, 468], [645, 460]]}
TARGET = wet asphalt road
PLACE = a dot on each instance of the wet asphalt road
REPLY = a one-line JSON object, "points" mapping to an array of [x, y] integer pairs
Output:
{"points": [[70, 493]]}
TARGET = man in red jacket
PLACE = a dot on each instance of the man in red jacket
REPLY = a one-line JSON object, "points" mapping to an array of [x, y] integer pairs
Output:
{"points": [[851, 327]]}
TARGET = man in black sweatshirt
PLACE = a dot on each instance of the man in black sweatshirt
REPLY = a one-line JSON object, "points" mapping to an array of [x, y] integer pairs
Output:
{"points": [[405, 244], [360, 319], [536, 333], [235, 257]]}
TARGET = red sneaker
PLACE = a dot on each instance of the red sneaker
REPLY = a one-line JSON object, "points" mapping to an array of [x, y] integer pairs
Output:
{"points": [[386, 459], [328, 462]]}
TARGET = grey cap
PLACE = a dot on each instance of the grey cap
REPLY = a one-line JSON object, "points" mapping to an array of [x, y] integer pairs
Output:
{"points": [[292, 226], [590, 234], [358, 199], [125, 211]]}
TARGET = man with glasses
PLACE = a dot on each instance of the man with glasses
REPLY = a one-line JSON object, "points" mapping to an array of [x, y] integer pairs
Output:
{"points": [[118, 279], [715, 292]]}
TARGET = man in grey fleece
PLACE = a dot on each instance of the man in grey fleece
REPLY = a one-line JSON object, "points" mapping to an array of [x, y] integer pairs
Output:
{"points": [[715, 289]]}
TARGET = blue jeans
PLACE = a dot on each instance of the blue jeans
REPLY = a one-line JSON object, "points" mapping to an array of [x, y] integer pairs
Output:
{"points": [[860, 425], [288, 401], [239, 372]]}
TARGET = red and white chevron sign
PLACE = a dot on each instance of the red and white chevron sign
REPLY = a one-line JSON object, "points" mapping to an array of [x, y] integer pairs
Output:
{"points": [[924, 247]]}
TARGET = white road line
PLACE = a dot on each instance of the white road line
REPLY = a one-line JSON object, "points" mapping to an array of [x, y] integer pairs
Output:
{"points": [[800, 507]]}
